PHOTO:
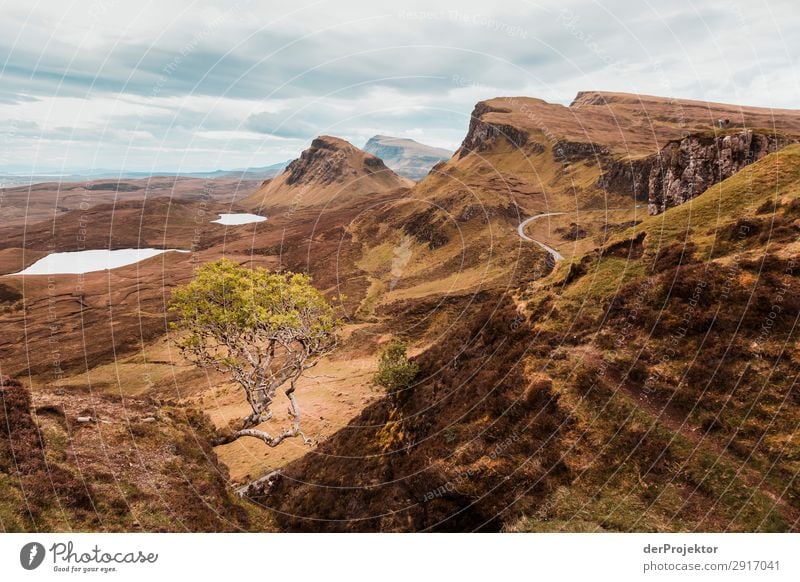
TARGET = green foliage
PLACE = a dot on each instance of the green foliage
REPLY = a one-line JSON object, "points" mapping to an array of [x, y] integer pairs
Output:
{"points": [[395, 371], [264, 329], [229, 300]]}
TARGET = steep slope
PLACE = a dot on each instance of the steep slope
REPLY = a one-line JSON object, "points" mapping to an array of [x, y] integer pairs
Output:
{"points": [[330, 173], [690, 319], [605, 145], [649, 385], [595, 167], [456, 230], [408, 158], [689, 166], [448, 454], [136, 465]]}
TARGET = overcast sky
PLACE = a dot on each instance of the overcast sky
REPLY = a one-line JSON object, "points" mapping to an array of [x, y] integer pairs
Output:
{"points": [[169, 85]]}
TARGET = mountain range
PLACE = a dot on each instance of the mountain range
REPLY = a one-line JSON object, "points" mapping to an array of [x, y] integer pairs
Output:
{"points": [[642, 377]]}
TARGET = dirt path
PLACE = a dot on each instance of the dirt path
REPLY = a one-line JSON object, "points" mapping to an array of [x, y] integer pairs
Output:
{"points": [[678, 424]]}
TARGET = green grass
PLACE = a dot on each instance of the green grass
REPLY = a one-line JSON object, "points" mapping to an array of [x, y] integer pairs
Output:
{"points": [[12, 505]]}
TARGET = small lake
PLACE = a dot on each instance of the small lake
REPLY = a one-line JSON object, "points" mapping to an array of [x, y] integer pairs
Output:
{"points": [[80, 262], [239, 218]]}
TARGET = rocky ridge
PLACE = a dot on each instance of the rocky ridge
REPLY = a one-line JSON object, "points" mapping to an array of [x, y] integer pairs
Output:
{"points": [[326, 161], [483, 134], [685, 168], [330, 171]]}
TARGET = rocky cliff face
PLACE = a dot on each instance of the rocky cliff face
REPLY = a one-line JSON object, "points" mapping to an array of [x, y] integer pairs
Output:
{"points": [[331, 171], [628, 177], [687, 167], [565, 151], [328, 160], [482, 134]]}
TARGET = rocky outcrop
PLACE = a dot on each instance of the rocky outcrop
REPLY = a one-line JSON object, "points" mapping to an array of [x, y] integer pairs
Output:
{"points": [[483, 134], [330, 172], [628, 177], [687, 167], [326, 161], [589, 98], [57, 473], [565, 151]]}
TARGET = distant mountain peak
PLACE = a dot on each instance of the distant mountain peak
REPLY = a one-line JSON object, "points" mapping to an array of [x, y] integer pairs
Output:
{"points": [[409, 158]]}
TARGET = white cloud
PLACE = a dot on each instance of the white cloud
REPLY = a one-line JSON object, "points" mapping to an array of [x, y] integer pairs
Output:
{"points": [[231, 83]]}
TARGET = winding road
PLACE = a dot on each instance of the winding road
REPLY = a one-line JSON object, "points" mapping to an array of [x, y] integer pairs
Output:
{"points": [[553, 252], [521, 232]]}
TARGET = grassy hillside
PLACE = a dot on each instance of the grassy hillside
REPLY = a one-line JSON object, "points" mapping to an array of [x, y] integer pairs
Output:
{"points": [[646, 382], [678, 342], [648, 385]]}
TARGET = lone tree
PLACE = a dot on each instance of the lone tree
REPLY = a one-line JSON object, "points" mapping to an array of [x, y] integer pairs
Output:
{"points": [[395, 371], [263, 329]]}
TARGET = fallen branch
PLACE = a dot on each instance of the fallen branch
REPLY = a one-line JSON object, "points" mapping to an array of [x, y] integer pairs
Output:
{"points": [[259, 486]]}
